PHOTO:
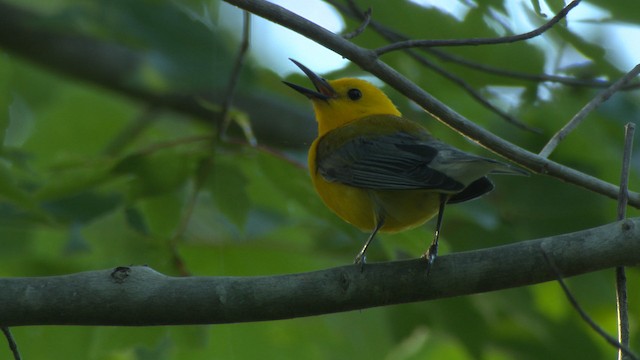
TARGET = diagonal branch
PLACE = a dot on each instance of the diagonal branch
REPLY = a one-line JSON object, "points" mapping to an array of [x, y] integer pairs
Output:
{"points": [[588, 108], [140, 296], [583, 314], [368, 60], [472, 92], [12, 343]]}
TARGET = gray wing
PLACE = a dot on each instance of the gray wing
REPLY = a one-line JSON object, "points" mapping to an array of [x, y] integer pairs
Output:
{"points": [[398, 161]]}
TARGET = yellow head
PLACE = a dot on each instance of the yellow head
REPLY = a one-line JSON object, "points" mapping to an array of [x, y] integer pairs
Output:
{"points": [[341, 101]]}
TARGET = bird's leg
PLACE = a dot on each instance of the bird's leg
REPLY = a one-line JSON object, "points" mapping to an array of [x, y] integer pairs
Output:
{"points": [[432, 252], [361, 257]]}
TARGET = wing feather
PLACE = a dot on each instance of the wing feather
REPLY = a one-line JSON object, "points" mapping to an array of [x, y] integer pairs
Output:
{"points": [[396, 161]]}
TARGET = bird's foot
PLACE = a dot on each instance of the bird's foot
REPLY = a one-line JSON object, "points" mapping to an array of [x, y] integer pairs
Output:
{"points": [[360, 259], [430, 256]]}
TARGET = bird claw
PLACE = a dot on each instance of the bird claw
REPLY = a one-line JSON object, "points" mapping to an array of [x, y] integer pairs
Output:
{"points": [[430, 256], [360, 259]]}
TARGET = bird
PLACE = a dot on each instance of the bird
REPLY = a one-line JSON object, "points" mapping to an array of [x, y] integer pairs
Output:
{"points": [[382, 172]]}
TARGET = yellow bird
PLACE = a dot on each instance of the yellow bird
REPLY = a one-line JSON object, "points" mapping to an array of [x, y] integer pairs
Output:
{"points": [[380, 171]]}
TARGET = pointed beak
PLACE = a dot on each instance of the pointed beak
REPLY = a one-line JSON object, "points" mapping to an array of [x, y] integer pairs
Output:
{"points": [[323, 91]]}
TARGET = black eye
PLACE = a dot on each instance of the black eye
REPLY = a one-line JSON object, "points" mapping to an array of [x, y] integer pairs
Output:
{"points": [[354, 94]]}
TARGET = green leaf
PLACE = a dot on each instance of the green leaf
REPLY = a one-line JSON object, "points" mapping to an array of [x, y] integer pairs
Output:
{"points": [[156, 173], [5, 95], [227, 184], [21, 122], [9, 189], [82, 207], [161, 214], [77, 242], [136, 220], [74, 177]]}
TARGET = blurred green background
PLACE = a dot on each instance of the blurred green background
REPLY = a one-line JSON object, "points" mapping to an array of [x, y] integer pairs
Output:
{"points": [[94, 174]]}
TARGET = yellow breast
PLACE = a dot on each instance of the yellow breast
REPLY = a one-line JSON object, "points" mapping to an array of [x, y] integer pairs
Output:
{"points": [[403, 209]]}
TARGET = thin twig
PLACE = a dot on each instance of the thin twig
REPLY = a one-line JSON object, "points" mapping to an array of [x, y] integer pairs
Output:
{"points": [[590, 106], [621, 277], [472, 92], [235, 73], [185, 218], [392, 35], [610, 339], [478, 41], [360, 29], [623, 198], [564, 80], [12, 343], [622, 308], [207, 164]]}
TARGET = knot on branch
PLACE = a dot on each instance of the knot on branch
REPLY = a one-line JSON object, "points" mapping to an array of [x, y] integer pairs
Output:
{"points": [[627, 225], [120, 274]]}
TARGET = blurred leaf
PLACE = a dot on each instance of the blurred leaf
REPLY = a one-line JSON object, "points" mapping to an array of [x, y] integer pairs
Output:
{"points": [[82, 207], [74, 121], [21, 122], [160, 214], [136, 220], [156, 173], [619, 12], [73, 178], [11, 191], [5, 95], [228, 188], [158, 352], [77, 243], [183, 64]]}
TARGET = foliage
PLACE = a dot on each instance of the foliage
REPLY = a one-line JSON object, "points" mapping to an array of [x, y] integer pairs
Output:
{"points": [[91, 178]]}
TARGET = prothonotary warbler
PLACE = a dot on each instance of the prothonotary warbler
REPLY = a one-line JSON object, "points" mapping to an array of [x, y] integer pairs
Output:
{"points": [[380, 171]]}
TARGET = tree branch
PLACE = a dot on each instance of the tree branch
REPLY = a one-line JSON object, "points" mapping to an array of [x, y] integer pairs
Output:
{"points": [[140, 296], [475, 94], [564, 80], [622, 305], [479, 41], [392, 35], [588, 108], [360, 29], [13, 346], [368, 60], [583, 314]]}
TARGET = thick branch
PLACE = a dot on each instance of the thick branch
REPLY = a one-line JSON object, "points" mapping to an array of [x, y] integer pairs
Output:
{"points": [[368, 60], [139, 296]]}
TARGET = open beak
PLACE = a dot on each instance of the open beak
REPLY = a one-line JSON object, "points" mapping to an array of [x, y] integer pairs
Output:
{"points": [[323, 91]]}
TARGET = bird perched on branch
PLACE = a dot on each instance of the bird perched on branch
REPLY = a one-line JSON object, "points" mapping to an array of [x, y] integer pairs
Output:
{"points": [[380, 171]]}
